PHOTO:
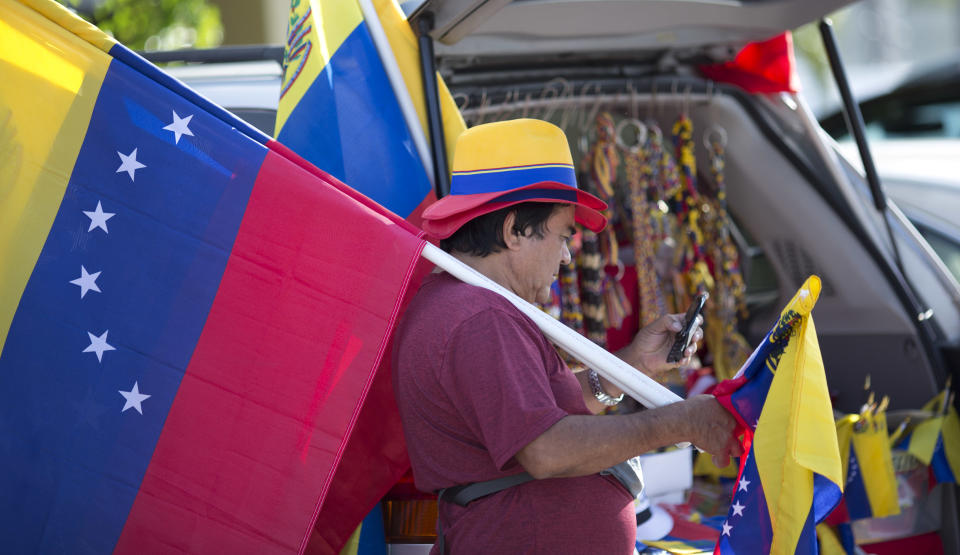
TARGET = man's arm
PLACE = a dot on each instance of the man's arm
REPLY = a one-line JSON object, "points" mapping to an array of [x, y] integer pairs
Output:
{"points": [[647, 352], [579, 445]]}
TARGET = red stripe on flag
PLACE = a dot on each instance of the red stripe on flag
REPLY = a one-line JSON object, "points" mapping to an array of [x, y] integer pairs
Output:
{"points": [[316, 278]]}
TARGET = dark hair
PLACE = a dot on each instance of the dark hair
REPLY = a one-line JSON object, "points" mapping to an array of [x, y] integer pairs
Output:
{"points": [[484, 235]]}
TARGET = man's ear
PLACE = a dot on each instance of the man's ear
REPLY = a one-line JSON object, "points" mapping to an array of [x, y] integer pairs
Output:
{"points": [[511, 237]]}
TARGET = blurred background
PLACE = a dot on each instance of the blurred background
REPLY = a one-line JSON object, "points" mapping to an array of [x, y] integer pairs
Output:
{"points": [[885, 44]]}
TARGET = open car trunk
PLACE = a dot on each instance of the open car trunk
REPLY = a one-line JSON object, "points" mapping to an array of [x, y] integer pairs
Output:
{"points": [[795, 207]]}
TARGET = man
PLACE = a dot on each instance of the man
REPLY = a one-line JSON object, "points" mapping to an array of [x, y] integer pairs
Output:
{"points": [[484, 395]]}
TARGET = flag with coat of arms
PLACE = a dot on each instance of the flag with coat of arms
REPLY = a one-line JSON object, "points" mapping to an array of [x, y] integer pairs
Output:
{"points": [[790, 475]]}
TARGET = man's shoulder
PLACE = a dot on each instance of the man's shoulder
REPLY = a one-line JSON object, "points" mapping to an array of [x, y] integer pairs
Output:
{"points": [[456, 300]]}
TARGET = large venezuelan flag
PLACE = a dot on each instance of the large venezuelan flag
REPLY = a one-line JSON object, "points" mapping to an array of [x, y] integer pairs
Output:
{"points": [[338, 110], [790, 479], [190, 315]]}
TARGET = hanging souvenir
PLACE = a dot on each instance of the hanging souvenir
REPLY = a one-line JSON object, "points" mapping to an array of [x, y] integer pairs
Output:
{"points": [[666, 178], [730, 349], [693, 264], [639, 172], [601, 166], [571, 313]]}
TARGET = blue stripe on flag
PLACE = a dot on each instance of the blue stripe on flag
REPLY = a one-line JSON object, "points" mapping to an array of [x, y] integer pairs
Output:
{"points": [[940, 465], [139, 63], [349, 124], [747, 528], [67, 442], [855, 492]]}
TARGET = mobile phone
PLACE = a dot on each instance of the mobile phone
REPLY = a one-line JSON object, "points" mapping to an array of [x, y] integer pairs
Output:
{"points": [[683, 337]]}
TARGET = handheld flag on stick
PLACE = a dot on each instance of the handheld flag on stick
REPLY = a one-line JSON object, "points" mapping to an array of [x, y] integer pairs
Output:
{"points": [[870, 490], [790, 478], [936, 441], [183, 349]]}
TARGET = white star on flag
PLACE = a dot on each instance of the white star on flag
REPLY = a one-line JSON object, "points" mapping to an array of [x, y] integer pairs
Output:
{"points": [[98, 218], [86, 282], [743, 484], [129, 163], [726, 529], [738, 508], [134, 398], [179, 127], [99, 345]]}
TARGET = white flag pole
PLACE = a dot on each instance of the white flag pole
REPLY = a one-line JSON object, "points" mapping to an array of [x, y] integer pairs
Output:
{"points": [[636, 384], [399, 86]]}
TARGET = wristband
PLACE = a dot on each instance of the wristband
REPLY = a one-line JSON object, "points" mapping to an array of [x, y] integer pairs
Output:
{"points": [[597, 388]]}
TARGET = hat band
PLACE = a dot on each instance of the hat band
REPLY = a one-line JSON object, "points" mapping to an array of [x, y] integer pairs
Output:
{"points": [[504, 179], [537, 194]]}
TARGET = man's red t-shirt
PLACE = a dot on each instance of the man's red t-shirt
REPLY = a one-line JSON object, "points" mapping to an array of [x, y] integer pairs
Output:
{"points": [[476, 381]]}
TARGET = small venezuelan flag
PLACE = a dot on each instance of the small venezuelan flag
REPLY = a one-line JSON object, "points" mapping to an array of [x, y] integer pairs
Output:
{"points": [[790, 478]]}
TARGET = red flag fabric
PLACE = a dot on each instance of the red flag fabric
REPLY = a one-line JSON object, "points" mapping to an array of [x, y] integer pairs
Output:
{"points": [[760, 67]]}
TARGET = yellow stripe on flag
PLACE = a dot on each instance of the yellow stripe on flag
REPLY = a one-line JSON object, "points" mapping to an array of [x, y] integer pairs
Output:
{"points": [[796, 434], [951, 440], [829, 542], [352, 547], [844, 437], [924, 438], [403, 42], [330, 23], [63, 17], [677, 547], [876, 465], [47, 93]]}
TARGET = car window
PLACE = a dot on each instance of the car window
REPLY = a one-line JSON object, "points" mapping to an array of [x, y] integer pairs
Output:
{"points": [[946, 247], [262, 119]]}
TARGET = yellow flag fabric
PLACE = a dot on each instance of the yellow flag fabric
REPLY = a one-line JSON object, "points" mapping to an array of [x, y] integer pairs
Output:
{"points": [[871, 483], [404, 44], [44, 71], [936, 441], [829, 542], [703, 466]]}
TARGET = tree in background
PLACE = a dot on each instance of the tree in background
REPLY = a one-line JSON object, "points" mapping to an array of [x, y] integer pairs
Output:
{"points": [[154, 24]]}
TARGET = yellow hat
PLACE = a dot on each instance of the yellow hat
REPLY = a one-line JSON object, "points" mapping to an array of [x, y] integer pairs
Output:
{"points": [[500, 164]]}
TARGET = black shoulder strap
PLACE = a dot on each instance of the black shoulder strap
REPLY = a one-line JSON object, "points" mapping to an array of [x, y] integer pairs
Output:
{"points": [[463, 495]]}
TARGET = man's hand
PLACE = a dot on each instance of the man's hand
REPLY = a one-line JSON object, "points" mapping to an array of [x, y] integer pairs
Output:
{"points": [[712, 428], [649, 348]]}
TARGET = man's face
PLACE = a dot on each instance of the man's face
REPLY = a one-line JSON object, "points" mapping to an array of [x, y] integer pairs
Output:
{"points": [[539, 259]]}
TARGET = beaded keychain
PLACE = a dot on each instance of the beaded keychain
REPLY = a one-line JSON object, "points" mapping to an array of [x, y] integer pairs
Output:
{"points": [[601, 165], [692, 261], [730, 348], [639, 175]]}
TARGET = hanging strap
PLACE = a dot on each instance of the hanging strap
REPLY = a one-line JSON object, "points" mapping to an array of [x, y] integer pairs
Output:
{"points": [[463, 495]]}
